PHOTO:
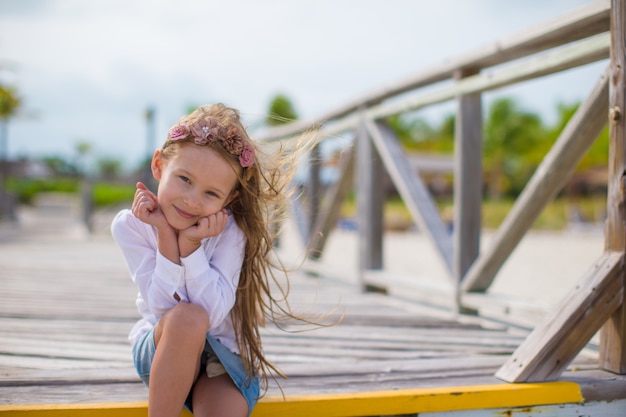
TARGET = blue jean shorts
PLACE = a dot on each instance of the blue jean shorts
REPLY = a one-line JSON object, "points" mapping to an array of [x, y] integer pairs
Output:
{"points": [[143, 353]]}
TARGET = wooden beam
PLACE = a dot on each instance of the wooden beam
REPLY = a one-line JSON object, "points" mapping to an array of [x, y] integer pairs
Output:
{"points": [[584, 52], [314, 187], [412, 190], [551, 347], [583, 22], [331, 205], [467, 181], [403, 401], [613, 335], [370, 200], [550, 177]]}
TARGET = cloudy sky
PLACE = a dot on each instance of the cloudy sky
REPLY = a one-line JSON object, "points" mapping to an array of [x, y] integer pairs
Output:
{"points": [[87, 70]]}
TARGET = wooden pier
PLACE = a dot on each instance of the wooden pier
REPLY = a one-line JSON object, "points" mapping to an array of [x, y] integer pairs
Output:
{"points": [[68, 305]]}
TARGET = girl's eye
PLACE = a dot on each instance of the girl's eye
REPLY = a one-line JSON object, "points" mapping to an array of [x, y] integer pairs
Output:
{"points": [[211, 193], [185, 179]]}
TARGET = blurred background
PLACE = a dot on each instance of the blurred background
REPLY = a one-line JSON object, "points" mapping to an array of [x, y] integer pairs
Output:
{"points": [[88, 90]]}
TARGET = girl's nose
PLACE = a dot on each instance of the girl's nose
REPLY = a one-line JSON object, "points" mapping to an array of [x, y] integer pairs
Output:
{"points": [[192, 200]]}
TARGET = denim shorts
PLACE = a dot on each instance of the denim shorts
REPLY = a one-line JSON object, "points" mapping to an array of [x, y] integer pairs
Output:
{"points": [[143, 353]]}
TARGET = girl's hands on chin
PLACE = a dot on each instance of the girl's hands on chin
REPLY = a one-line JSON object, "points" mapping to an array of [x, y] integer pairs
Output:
{"points": [[212, 225], [146, 207]]}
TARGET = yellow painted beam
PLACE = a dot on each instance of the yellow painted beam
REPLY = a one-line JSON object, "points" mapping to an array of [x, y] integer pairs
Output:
{"points": [[348, 405], [128, 409], [420, 400]]}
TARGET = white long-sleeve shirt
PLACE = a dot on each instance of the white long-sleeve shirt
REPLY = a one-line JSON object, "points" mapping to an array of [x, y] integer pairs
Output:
{"points": [[208, 277]]}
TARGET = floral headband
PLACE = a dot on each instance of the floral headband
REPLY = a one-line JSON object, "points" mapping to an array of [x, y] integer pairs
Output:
{"points": [[207, 131]]}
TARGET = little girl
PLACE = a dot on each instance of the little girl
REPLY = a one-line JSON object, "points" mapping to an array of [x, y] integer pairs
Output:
{"points": [[199, 253]]}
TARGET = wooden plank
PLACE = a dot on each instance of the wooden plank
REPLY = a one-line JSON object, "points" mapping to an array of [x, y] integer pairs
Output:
{"points": [[585, 52], [355, 404], [586, 21], [314, 188], [613, 335], [549, 349], [550, 177], [602, 408], [421, 400], [331, 205], [412, 190], [467, 182], [384, 343], [370, 200]]}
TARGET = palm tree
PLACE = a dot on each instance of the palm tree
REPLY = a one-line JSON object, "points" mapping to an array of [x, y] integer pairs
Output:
{"points": [[511, 135], [9, 104]]}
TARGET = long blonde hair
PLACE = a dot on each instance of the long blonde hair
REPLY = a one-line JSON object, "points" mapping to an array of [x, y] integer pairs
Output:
{"points": [[258, 208]]}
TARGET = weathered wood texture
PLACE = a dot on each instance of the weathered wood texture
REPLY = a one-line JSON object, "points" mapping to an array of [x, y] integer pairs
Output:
{"points": [[468, 180], [411, 188], [551, 347], [68, 305], [613, 336], [370, 200], [549, 178], [331, 205]]}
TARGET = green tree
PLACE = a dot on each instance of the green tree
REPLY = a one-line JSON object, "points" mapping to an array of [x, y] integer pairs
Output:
{"points": [[9, 105], [416, 134], [598, 154], [511, 135], [60, 166], [281, 111], [83, 151], [109, 168]]}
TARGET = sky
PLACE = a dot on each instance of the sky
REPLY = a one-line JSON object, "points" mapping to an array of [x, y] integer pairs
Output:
{"points": [[88, 70]]}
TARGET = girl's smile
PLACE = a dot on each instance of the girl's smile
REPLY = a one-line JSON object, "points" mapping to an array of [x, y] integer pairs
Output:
{"points": [[195, 182], [183, 213]]}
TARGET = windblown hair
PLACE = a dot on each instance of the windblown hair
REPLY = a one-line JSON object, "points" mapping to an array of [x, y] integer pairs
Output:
{"points": [[258, 209]]}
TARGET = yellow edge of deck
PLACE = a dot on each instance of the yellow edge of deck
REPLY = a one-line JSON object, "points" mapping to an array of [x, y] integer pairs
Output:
{"points": [[357, 404]]}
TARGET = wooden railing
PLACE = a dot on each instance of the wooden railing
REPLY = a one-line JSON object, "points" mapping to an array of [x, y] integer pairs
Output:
{"points": [[589, 34]]}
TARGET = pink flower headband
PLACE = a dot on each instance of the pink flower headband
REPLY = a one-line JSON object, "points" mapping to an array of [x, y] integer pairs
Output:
{"points": [[206, 131]]}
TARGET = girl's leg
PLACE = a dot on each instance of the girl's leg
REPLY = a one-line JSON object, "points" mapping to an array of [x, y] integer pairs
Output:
{"points": [[180, 337], [218, 397]]}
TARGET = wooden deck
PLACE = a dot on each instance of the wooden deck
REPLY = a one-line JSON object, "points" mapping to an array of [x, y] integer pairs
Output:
{"points": [[68, 304]]}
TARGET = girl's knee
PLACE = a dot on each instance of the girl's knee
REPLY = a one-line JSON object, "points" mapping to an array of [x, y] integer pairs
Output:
{"points": [[188, 318]]}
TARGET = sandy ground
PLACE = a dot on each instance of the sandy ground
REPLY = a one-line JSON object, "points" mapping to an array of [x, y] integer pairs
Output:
{"points": [[542, 269]]}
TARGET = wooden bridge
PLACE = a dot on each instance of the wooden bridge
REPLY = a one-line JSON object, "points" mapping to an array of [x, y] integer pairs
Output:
{"points": [[68, 303]]}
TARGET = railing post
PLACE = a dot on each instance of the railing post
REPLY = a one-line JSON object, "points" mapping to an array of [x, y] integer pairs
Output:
{"points": [[314, 190], [468, 181], [613, 334], [370, 202]]}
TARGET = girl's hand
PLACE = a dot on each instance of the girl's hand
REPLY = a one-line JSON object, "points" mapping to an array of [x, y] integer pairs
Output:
{"points": [[190, 238], [146, 207]]}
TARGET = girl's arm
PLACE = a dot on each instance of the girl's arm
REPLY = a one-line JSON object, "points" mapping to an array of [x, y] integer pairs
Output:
{"points": [[212, 272], [157, 278], [189, 240], [146, 208]]}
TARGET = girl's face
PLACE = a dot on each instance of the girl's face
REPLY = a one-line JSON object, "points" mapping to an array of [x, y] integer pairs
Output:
{"points": [[195, 182]]}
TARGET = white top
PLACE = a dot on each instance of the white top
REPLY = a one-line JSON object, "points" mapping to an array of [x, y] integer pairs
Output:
{"points": [[208, 277]]}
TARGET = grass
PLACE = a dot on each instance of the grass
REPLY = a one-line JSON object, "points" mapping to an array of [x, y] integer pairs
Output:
{"points": [[556, 216], [104, 193], [107, 194]]}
